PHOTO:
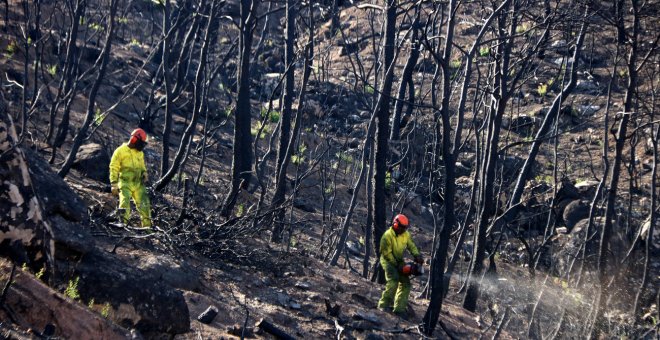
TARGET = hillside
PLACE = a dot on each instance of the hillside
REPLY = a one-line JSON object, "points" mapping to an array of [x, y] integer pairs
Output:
{"points": [[519, 138]]}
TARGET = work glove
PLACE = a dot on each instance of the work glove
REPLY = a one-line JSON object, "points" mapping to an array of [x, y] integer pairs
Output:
{"points": [[419, 259], [114, 189]]}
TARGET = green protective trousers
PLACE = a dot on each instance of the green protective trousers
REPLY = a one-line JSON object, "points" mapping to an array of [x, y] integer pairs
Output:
{"points": [[136, 190], [397, 289]]}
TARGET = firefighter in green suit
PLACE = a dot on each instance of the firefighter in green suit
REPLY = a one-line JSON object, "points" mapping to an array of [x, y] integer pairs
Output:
{"points": [[128, 175], [392, 245]]}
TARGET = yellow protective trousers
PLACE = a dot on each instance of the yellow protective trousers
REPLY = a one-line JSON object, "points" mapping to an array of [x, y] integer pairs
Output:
{"points": [[128, 170], [136, 191], [397, 289]]}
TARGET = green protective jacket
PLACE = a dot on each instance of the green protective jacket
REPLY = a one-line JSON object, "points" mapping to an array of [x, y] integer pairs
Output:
{"points": [[392, 247], [127, 165], [128, 170]]}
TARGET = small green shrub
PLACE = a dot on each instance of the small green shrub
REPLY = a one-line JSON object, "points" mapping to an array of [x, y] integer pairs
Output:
{"points": [[240, 210], [273, 116], [388, 180], [71, 290], [368, 89], [454, 64], [40, 273], [11, 49], [96, 26], [52, 70], [105, 311], [344, 157], [99, 117], [522, 28], [542, 89], [297, 159], [90, 304], [484, 51]]}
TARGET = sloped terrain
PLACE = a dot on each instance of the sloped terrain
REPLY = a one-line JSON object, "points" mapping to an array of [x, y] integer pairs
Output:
{"points": [[155, 284]]}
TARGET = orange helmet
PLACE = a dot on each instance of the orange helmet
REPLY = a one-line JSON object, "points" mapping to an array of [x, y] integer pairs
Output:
{"points": [[400, 223], [138, 134]]}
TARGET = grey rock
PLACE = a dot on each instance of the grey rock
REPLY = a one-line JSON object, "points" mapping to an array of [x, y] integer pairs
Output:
{"points": [[354, 248], [354, 118], [138, 299], [283, 299], [588, 110], [522, 124], [303, 285], [304, 205], [93, 161], [575, 212], [362, 315], [176, 273], [587, 87]]}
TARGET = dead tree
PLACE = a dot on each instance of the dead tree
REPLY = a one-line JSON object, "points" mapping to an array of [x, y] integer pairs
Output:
{"points": [[241, 166], [285, 122], [167, 76], [406, 81], [502, 90], [68, 82], [91, 99], [439, 253], [199, 97], [632, 35], [542, 134], [451, 150], [382, 135]]}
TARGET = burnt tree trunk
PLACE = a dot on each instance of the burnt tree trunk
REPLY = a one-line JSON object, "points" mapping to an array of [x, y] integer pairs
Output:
{"points": [[382, 137], [91, 99], [241, 167], [619, 144], [406, 79], [285, 124], [198, 106]]}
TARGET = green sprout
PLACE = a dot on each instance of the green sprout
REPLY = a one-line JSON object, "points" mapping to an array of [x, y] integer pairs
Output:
{"points": [[40, 273], [484, 51], [71, 290], [11, 49], [388, 180], [95, 26], [52, 70], [273, 116], [98, 117], [105, 311], [542, 89]]}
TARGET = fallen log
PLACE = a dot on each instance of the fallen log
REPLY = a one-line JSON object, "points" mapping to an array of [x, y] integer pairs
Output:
{"points": [[273, 330], [36, 306]]}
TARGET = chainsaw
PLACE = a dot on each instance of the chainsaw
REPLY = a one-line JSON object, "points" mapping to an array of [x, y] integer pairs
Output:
{"points": [[413, 269]]}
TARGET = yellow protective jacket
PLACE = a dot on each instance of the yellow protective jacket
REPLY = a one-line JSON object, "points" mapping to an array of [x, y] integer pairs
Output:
{"points": [[127, 165], [392, 247]]}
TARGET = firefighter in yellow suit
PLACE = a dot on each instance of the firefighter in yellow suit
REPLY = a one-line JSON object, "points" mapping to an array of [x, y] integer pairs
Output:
{"points": [[392, 245], [128, 175]]}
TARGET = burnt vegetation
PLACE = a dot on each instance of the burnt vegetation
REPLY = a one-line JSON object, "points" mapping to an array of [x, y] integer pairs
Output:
{"points": [[520, 138]]}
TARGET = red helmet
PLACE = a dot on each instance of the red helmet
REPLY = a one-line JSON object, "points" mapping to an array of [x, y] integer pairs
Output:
{"points": [[138, 134], [400, 223]]}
